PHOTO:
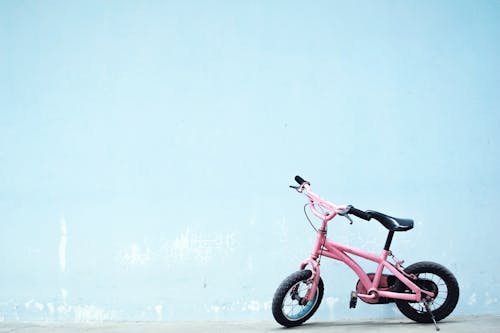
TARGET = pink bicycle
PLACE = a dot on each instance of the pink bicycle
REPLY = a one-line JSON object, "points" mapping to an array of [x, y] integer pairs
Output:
{"points": [[425, 292]]}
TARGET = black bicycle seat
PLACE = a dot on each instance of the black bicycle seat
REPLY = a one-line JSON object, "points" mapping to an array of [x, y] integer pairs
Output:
{"points": [[391, 223]]}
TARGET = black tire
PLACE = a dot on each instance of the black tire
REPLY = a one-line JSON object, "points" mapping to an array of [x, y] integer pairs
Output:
{"points": [[432, 277], [287, 309]]}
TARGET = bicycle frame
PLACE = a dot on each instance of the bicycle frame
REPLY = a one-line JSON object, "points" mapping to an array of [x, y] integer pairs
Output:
{"points": [[327, 248]]}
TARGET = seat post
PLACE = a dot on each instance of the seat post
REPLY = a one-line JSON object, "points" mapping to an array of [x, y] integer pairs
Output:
{"points": [[388, 241]]}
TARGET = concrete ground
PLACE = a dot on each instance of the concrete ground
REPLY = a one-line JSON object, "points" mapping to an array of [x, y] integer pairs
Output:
{"points": [[473, 324]]}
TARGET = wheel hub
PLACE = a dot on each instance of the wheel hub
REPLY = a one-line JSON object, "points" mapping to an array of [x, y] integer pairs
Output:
{"points": [[428, 285]]}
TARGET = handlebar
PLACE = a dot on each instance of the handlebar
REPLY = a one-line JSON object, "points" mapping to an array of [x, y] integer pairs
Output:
{"points": [[331, 209], [359, 213], [328, 209], [300, 180]]}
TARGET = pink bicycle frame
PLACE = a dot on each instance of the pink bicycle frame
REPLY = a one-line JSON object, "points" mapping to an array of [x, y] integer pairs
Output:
{"points": [[333, 250]]}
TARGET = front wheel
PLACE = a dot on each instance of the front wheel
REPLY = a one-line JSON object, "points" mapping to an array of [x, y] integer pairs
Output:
{"points": [[431, 277], [289, 305]]}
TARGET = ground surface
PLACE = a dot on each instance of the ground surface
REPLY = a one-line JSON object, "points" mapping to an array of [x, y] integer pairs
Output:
{"points": [[456, 325]]}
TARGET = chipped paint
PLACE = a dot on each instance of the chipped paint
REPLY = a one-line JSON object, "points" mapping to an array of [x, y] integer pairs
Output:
{"points": [[159, 312], [135, 255], [90, 313]]}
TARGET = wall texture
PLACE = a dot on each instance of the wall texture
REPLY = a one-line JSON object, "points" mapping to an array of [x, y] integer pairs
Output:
{"points": [[146, 149]]}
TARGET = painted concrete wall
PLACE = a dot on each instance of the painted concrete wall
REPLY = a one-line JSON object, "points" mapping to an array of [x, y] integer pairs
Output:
{"points": [[146, 149]]}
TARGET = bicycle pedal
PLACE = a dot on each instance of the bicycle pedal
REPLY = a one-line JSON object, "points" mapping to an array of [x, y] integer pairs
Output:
{"points": [[354, 300]]}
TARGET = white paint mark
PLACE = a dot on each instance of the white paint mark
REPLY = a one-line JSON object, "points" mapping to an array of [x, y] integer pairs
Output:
{"points": [[64, 294], [214, 309], [87, 313], [180, 245], [63, 309], [27, 305], [198, 247], [489, 299], [159, 312], [62, 245], [472, 299], [51, 308], [33, 304], [136, 255], [39, 306], [253, 306], [331, 301]]}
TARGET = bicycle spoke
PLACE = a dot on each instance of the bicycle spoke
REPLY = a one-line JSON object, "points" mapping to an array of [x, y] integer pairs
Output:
{"points": [[291, 306]]}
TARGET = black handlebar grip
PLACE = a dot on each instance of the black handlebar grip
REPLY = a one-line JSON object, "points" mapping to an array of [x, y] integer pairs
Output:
{"points": [[359, 213], [299, 180]]}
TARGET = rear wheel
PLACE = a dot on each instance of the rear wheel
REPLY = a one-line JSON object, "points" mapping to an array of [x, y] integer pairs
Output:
{"points": [[432, 277], [290, 308]]}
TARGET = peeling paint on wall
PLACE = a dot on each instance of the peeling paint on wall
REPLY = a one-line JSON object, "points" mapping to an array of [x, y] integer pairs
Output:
{"points": [[199, 248], [159, 312], [135, 254]]}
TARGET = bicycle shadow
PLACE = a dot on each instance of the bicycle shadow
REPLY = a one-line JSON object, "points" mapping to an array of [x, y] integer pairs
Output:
{"points": [[367, 326]]}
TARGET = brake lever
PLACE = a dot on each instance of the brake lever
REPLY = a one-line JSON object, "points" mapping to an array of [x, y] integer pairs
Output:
{"points": [[296, 188], [345, 214], [349, 218]]}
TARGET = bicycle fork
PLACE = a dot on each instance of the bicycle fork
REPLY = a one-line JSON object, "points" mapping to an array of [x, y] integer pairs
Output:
{"points": [[311, 293]]}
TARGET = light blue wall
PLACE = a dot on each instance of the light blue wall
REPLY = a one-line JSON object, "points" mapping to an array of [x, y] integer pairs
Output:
{"points": [[146, 149]]}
